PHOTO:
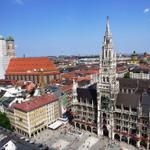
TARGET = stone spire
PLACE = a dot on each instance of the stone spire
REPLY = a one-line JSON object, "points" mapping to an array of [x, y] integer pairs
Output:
{"points": [[107, 86], [108, 52], [108, 32]]}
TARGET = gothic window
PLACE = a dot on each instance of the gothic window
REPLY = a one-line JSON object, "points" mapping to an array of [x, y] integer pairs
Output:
{"points": [[126, 108], [104, 115], [103, 79], [124, 90], [84, 100], [117, 127], [107, 79], [90, 101], [79, 107], [109, 54], [106, 54], [129, 91], [134, 109]]}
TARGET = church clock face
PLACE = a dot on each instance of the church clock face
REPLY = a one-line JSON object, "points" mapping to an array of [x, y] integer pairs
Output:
{"points": [[105, 69]]}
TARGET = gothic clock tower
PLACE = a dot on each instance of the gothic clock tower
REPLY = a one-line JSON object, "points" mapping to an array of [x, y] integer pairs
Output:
{"points": [[107, 87]]}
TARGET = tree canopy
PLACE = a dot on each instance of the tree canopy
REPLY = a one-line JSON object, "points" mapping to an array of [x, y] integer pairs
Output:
{"points": [[4, 121], [127, 75]]}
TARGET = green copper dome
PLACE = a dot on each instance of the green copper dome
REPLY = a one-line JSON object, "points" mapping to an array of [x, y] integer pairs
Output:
{"points": [[10, 38], [1, 37]]}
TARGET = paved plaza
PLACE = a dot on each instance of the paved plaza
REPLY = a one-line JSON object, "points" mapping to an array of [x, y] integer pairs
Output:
{"points": [[68, 138], [60, 144], [89, 142]]}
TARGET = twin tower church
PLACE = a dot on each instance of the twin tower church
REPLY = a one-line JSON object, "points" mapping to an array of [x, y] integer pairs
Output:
{"points": [[114, 107], [7, 51]]}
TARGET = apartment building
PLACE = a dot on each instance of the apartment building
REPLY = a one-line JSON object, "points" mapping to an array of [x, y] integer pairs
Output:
{"points": [[33, 116]]}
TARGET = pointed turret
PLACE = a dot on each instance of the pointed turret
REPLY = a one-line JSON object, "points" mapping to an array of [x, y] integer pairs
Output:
{"points": [[74, 91], [107, 49]]}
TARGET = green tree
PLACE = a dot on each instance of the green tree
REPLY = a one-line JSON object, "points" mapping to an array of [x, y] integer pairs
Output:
{"points": [[4, 121], [127, 75]]}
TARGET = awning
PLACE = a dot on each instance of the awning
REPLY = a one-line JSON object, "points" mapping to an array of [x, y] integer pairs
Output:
{"points": [[55, 125]]}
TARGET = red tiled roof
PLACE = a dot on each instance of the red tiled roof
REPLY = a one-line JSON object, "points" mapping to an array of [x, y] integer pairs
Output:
{"points": [[32, 73], [69, 75], [66, 88], [120, 69], [28, 65], [36, 103], [8, 82], [146, 66], [84, 78]]}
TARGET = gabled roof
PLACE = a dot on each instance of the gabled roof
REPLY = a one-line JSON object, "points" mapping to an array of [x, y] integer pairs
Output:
{"points": [[31, 65]]}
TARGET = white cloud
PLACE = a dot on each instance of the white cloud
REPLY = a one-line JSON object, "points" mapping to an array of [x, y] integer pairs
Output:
{"points": [[19, 2], [146, 10], [16, 46]]}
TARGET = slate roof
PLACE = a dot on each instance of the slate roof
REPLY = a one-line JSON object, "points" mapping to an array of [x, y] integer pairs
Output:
{"points": [[6, 101], [2, 92], [140, 70], [4, 141], [146, 104], [88, 94], [127, 83], [128, 100], [83, 83], [139, 84], [141, 94]]}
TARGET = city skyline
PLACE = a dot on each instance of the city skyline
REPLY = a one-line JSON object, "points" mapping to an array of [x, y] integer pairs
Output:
{"points": [[64, 27]]}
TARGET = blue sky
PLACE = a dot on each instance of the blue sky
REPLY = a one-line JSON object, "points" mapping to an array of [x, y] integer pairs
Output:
{"points": [[66, 27]]}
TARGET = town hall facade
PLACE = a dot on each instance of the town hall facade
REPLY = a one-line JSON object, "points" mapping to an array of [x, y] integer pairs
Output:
{"points": [[118, 108]]}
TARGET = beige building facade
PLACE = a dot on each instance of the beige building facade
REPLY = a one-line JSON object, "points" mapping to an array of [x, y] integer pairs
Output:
{"points": [[33, 116]]}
